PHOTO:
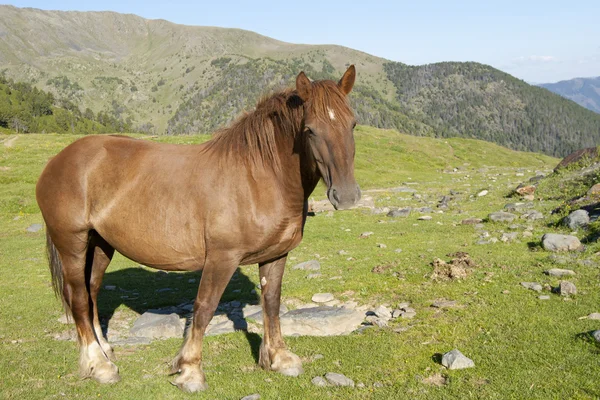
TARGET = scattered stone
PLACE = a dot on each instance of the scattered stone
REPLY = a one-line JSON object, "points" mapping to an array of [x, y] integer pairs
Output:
{"points": [[594, 190], [381, 246], [321, 321], [383, 312], [339, 379], [380, 322], [322, 297], [529, 197], [596, 335], [360, 385], [401, 212], [502, 216], [319, 381], [482, 193], [254, 396], [557, 242], [109, 287], [403, 189], [398, 251], [532, 286], [408, 314], [544, 297], [314, 275], [425, 218], [312, 265], [34, 228], [425, 210], [527, 234], [443, 303], [365, 235], [456, 360], [577, 219], [380, 269], [154, 324], [509, 237], [566, 288], [559, 272], [532, 215], [131, 341], [192, 280], [595, 316], [514, 206], [443, 203], [396, 313], [471, 221], [343, 253], [377, 384]]}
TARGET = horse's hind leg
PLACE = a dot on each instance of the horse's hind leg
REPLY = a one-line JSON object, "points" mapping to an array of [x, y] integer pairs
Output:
{"points": [[273, 352], [93, 363], [102, 254]]}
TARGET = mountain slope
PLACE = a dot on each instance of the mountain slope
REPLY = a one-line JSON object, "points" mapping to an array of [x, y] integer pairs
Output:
{"points": [[583, 91], [176, 79]]}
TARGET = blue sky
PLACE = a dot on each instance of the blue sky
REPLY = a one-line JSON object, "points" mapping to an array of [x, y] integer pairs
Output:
{"points": [[539, 41]]}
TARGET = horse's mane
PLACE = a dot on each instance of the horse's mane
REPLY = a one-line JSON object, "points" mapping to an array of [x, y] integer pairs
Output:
{"points": [[254, 135]]}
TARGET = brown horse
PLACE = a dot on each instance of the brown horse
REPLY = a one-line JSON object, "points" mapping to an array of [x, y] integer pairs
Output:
{"points": [[238, 199]]}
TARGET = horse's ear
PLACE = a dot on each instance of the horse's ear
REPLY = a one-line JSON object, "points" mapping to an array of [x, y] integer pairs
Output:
{"points": [[303, 86], [347, 82]]}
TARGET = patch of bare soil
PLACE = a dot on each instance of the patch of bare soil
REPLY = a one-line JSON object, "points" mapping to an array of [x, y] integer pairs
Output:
{"points": [[459, 267], [436, 380]]}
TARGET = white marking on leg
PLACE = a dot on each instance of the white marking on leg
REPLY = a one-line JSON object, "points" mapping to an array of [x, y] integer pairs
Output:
{"points": [[263, 282], [331, 114]]}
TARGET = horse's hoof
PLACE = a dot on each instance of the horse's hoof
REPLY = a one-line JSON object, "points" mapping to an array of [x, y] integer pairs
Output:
{"points": [[106, 373], [191, 387], [191, 380], [286, 363]]}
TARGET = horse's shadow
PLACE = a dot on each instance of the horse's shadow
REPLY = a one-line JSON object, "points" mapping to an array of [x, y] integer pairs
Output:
{"points": [[141, 289]]}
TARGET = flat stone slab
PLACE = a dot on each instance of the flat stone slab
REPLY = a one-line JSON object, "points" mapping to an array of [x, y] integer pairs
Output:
{"points": [[321, 321], [532, 286], [559, 272], [154, 324], [312, 265], [322, 297], [34, 228], [456, 360]]}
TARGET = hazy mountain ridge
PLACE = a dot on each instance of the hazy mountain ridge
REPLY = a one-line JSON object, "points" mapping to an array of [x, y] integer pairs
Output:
{"points": [[170, 78], [583, 91]]}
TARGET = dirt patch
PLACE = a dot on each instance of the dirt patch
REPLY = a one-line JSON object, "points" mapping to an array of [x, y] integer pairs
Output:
{"points": [[459, 267], [380, 269], [436, 380]]}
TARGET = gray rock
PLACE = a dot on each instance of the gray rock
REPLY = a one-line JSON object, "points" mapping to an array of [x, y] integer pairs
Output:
{"points": [[401, 212], [471, 221], [338, 379], [396, 313], [314, 275], [425, 218], [254, 312], [425, 210], [559, 272], [377, 384], [595, 316], [109, 287], [557, 242], [383, 312], [596, 335], [544, 297], [321, 321], [254, 396], [514, 206], [502, 216], [577, 219], [408, 314], [532, 285], [312, 265], [228, 326], [456, 360], [153, 324], [532, 215], [365, 235], [34, 228], [566, 288], [403, 189], [380, 322], [482, 193], [319, 381], [509, 237], [322, 297]]}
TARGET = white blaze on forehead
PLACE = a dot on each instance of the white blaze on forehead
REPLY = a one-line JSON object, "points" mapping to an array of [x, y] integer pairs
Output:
{"points": [[331, 114]]}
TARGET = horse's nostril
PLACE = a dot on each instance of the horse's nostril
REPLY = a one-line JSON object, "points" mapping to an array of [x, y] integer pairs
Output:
{"points": [[335, 195]]}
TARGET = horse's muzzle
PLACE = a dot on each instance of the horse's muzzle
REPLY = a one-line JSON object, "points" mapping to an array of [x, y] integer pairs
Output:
{"points": [[344, 197]]}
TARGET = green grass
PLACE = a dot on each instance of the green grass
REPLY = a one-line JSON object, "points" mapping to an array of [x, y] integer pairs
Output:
{"points": [[523, 347]]}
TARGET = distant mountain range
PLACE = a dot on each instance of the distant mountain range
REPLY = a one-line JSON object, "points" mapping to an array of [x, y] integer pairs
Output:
{"points": [[583, 91], [165, 78]]}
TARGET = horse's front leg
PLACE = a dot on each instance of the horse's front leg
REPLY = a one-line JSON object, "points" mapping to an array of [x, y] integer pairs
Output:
{"points": [[215, 277], [273, 353]]}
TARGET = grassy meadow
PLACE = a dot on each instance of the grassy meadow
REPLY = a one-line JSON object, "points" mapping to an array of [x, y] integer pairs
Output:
{"points": [[523, 347]]}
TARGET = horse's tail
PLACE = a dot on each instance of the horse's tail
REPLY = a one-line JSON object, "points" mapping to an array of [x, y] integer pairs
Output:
{"points": [[56, 270]]}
